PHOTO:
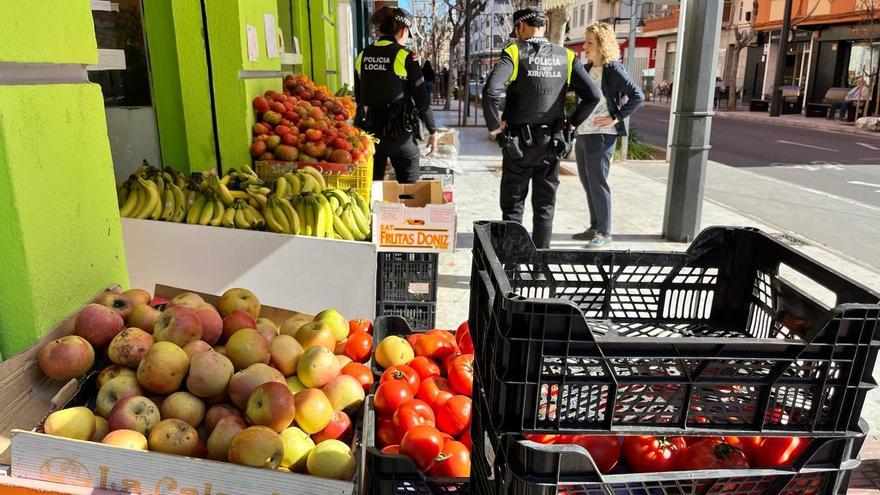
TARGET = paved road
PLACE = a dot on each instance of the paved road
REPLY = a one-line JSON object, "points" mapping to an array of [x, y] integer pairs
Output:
{"points": [[844, 165]]}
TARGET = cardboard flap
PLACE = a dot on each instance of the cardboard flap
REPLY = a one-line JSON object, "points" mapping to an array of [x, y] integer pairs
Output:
{"points": [[417, 195]]}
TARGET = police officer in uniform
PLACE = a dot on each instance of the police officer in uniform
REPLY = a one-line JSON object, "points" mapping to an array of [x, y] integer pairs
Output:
{"points": [[533, 131], [392, 97]]}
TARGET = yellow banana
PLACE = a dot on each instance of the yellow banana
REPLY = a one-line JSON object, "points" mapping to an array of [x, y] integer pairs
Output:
{"points": [[340, 228], [292, 216], [295, 183], [226, 179], [320, 217], [310, 185], [190, 197], [128, 206], [122, 192], [219, 210], [362, 223], [340, 196], [275, 219], [229, 217], [179, 204], [360, 202], [316, 174], [195, 211], [225, 193], [207, 213], [152, 200], [247, 170], [238, 194], [258, 217], [160, 185], [241, 221], [168, 205], [348, 219], [282, 187], [309, 217], [328, 214]]}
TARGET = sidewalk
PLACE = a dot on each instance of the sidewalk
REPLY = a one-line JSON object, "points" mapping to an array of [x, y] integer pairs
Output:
{"points": [[793, 120], [639, 201]]}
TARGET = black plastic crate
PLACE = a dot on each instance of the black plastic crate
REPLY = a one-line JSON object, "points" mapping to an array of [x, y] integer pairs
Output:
{"points": [[508, 464], [420, 315], [728, 336], [406, 277]]}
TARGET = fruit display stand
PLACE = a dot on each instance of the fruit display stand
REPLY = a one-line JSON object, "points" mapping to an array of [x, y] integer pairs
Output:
{"points": [[286, 270], [48, 464]]}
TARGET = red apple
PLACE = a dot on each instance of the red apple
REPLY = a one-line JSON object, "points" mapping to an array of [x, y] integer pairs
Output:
{"points": [[237, 320], [66, 358], [338, 429], [212, 323], [178, 325], [271, 405], [120, 303], [242, 299], [98, 324]]}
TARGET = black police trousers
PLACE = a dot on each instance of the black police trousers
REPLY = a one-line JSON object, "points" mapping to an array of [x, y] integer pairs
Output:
{"points": [[542, 168], [404, 154]]}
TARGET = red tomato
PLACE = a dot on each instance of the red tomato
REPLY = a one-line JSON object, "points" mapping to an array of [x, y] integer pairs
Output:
{"points": [[454, 461], [411, 414], [443, 334], [434, 346], [465, 438], [361, 373], [749, 445], [454, 415], [360, 325], [448, 360], [359, 346], [391, 449], [391, 395], [425, 367], [413, 338], [545, 439], [423, 444], [403, 373], [461, 374], [649, 454], [604, 449], [779, 451], [463, 338], [712, 453], [385, 433], [435, 391]]}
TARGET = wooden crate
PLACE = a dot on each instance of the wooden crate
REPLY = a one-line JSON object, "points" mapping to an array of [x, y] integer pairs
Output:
{"points": [[75, 463]]}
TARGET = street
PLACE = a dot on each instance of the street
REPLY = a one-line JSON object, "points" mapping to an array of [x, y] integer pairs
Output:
{"points": [[823, 186]]}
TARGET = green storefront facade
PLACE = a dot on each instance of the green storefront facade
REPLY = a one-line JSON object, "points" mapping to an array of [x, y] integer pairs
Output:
{"points": [[60, 237]]}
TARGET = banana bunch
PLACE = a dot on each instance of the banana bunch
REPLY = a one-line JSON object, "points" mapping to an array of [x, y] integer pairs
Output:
{"points": [[305, 180], [242, 215], [333, 214], [281, 217], [154, 194]]}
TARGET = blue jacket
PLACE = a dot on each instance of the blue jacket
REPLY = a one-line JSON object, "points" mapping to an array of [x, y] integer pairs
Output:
{"points": [[615, 85]]}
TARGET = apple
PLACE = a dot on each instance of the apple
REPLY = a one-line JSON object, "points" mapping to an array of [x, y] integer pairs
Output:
{"points": [[268, 321], [127, 439], [297, 445], [112, 371], [242, 299], [102, 427], [317, 366], [294, 384], [186, 299], [163, 369], [293, 324], [174, 436], [212, 323], [257, 446], [216, 413], [345, 393], [129, 347], [316, 333], [313, 410], [284, 353], [220, 349], [74, 422], [224, 432], [243, 383], [339, 428], [138, 296], [67, 357], [343, 360], [120, 303], [179, 325], [201, 450], [247, 347], [184, 406], [136, 413], [114, 390], [195, 347], [144, 316], [237, 320], [271, 405], [268, 331], [336, 322], [98, 324], [331, 459], [209, 374]]}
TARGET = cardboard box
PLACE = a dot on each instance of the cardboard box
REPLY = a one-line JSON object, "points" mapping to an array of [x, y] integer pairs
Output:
{"points": [[36, 456], [414, 218]]}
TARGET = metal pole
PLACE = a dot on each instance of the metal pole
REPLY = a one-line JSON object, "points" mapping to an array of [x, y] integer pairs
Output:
{"points": [[467, 61], [699, 32], [630, 67], [779, 78]]}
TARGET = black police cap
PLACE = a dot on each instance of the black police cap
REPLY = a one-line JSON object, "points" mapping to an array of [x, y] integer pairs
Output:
{"points": [[404, 16], [525, 15]]}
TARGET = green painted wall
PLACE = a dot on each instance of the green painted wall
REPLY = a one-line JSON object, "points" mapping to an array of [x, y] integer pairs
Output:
{"points": [[300, 24], [227, 33], [60, 238], [58, 31], [325, 57], [180, 83]]}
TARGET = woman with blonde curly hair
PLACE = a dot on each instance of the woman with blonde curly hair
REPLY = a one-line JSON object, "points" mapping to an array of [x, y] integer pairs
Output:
{"points": [[597, 135]]}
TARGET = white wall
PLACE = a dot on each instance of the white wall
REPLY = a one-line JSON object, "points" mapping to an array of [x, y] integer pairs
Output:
{"points": [[134, 137]]}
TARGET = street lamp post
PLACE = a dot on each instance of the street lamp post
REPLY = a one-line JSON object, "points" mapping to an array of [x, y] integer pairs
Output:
{"points": [[779, 79], [630, 67]]}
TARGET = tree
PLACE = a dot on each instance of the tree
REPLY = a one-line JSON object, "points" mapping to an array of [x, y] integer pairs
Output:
{"points": [[431, 31], [455, 19], [743, 39]]}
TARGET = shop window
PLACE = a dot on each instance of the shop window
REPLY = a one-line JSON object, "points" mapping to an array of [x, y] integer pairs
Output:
{"points": [[583, 17], [122, 30], [863, 62]]}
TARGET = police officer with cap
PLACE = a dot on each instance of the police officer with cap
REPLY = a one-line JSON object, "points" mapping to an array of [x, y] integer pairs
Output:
{"points": [[533, 131], [392, 97]]}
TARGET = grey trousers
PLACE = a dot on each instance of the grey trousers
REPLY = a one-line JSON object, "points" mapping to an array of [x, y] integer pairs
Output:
{"points": [[593, 153]]}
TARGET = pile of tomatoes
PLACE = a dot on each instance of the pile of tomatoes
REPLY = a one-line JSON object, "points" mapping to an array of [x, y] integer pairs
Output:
{"points": [[423, 401], [652, 454]]}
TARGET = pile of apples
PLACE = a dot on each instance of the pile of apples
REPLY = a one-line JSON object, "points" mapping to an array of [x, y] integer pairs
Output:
{"points": [[423, 401], [220, 383], [307, 124]]}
